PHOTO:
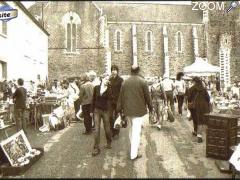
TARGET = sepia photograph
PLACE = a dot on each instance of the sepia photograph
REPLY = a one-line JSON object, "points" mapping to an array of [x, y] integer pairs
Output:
{"points": [[121, 89]]}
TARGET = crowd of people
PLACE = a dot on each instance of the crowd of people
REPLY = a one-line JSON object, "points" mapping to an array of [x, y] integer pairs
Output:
{"points": [[108, 97]]}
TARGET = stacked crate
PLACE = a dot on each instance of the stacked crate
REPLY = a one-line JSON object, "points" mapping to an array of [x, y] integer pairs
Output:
{"points": [[222, 130]]}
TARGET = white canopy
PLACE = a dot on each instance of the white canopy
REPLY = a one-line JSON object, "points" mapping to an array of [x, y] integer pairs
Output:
{"points": [[201, 68]]}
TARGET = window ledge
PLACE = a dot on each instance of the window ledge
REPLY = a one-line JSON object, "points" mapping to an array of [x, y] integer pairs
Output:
{"points": [[118, 51], [149, 52], [179, 52], [71, 53], [3, 35]]}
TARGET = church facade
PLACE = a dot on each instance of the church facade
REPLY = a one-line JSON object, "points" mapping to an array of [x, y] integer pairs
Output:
{"points": [[87, 35]]}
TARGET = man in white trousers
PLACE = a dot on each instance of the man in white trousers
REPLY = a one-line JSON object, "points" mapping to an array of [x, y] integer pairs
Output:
{"points": [[133, 101]]}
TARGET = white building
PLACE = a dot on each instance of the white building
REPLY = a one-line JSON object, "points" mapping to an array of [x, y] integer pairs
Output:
{"points": [[23, 46]]}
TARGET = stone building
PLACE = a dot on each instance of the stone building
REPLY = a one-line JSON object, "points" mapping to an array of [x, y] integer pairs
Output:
{"points": [[160, 38]]}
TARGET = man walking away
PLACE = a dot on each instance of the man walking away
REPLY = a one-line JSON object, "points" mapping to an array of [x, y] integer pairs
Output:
{"points": [[115, 84], [19, 97], [180, 88], [133, 99], [168, 87], [85, 99]]}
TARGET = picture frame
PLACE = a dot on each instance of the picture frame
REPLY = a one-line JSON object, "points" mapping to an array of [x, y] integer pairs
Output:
{"points": [[15, 147]]}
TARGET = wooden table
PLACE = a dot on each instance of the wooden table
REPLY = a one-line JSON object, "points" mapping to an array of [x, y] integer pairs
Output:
{"points": [[38, 109]]}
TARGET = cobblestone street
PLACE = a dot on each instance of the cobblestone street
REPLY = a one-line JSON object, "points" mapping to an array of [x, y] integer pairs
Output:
{"points": [[169, 153]]}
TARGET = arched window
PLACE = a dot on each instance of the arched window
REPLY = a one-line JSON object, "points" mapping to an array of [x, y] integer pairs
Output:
{"points": [[71, 21], [148, 41], [179, 42], [118, 40]]}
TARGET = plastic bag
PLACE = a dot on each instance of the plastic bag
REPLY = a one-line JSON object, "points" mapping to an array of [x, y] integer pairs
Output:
{"points": [[121, 122], [234, 160], [118, 123]]}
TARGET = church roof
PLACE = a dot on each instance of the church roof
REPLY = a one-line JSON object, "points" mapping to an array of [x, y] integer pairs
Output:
{"points": [[150, 12]]}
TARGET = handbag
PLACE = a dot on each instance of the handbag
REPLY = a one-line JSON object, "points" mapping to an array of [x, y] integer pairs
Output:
{"points": [[192, 105]]}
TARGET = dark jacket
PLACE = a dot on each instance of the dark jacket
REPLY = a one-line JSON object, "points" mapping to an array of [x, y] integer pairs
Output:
{"points": [[116, 84], [202, 101], [20, 96], [134, 97], [103, 101], [86, 93]]}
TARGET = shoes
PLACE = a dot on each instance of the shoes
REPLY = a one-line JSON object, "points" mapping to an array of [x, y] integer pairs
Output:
{"points": [[138, 156], [96, 152], [87, 133], [108, 146], [194, 133], [159, 126], [200, 140]]}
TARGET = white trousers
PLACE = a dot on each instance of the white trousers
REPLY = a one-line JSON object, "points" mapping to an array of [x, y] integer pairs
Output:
{"points": [[135, 134]]}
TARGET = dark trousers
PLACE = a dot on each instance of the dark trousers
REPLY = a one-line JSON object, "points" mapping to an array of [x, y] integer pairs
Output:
{"points": [[86, 110], [76, 107], [20, 120], [194, 118], [113, 117], [170, 99], [98, 116], [180, 99]]}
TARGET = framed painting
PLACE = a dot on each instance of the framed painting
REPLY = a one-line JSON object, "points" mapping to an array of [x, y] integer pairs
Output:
{"points": [[15, 147]]}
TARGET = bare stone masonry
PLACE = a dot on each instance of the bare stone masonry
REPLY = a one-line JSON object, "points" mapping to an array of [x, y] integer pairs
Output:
{"points": [[199, 34]]}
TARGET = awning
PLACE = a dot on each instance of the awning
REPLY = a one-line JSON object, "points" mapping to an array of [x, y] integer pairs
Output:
{"points": [[201, 68]]}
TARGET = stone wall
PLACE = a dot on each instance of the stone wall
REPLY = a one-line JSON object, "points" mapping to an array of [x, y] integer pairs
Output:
{"points": [[152, 63], [89, 55]]}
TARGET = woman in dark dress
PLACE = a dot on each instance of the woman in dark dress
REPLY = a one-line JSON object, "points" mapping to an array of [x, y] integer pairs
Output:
{"points": [[198, 96]]}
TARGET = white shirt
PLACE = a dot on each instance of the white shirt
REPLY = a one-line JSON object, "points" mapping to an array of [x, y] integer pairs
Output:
{"points": [[235, 90], [167, 84], [180, 86]]}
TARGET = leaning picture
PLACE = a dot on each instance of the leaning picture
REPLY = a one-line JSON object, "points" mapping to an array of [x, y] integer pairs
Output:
{"points": [[16, 147]]}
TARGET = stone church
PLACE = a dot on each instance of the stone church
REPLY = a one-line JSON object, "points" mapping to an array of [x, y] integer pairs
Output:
{"points": [[92, 35]]}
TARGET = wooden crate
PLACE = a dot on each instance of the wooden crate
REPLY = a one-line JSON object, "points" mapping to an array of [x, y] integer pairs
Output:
{"points": [[221, 133]]}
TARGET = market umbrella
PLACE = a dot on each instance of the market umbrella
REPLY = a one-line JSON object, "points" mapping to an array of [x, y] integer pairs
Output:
{"points": [[201, 68]]}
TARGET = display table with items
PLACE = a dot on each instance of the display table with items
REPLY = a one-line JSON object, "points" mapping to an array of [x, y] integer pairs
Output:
{"points": [[17, 155], [222, 104], [59, 115], [40, 106]]}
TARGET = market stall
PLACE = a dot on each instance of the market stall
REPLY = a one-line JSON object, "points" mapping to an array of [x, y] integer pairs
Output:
{"points": [[201, 68]]}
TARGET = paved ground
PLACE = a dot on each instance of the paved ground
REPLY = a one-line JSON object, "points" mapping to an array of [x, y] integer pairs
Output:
{"points": [[169, 153]]}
